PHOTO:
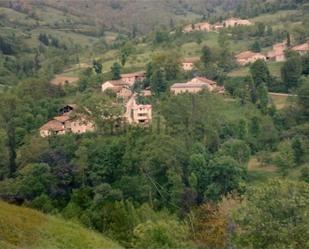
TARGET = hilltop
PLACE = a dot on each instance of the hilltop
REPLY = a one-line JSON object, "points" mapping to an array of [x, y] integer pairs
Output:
{"points": [[25, 228]]}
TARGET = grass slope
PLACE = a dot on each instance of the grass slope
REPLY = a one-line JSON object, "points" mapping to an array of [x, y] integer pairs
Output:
{"points": [[28, 229]]}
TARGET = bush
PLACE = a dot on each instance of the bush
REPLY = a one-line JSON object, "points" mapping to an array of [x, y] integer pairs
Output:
{"points": [[162, 234], [42, 203], [305, 174]]}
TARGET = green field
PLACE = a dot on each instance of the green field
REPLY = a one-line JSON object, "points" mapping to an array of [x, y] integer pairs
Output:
{"points": [[25, 228], [274, 68]]}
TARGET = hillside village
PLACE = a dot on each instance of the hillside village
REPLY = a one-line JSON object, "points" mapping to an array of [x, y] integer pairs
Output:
{"points": [[154, 124], [205, 26]]}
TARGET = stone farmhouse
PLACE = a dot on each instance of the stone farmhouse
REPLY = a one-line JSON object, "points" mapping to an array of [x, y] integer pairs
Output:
{"points": [[233, 22], [302, 48], [195, 85], [277, 53], [135, 113], [248, 57], [66, 122], [131, 78], [201, 26], [120, 87], [217, 26], [205, 26], [188, 63]]}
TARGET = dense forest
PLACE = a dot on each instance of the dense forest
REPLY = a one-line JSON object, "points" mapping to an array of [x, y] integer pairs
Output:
{"points": [[210, 171]]}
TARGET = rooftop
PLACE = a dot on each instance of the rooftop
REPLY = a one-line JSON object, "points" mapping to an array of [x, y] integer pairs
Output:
{"points": [[62, 118], [53, 125], [203, 80], [301, 47], [246, 55], [189, 85], [116, 82], [136, 74]]}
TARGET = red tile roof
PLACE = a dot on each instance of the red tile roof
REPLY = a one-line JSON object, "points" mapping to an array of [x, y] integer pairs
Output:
{"points": [[302, 47], [189, 85], [203, 80], [245, 55], [62, 118], [136, 74], [53, 125]]}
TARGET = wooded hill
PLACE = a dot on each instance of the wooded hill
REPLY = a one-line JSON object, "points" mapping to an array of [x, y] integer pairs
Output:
{"points": [[211, 169], [93, 16]]}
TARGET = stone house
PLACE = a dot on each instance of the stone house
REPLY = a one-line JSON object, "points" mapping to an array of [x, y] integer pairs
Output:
{"points": [[137, 113], [79, 125], [301, 49], [201, 26], [131, 78], [120, 87], [217, 26], [233, 22], [188, 63], [52, 127], [277, 53], [196, 85], [248, 57], [67, 122]]}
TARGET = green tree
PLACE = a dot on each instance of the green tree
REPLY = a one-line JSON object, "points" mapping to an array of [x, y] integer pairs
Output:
{"points": [[256, 46], [3, 155], [34, 180], [97, 66], [285, 157], [8, 112], [157, 81], [261, 79], [116, 69], [125, 52], [236, 149], [31, 150], [291, 72], [260, 73], [206, 57], [198, 171], [160, 36], [288, 40], [298, 150], [223, 39], [305, 174], [167, 234], [260, 29], [274, 215], [263, 97], [224, 176], [42, 203], [101, 111], [303, 98], [81, 163], [252, 89], [305, 64], [172, 67]]}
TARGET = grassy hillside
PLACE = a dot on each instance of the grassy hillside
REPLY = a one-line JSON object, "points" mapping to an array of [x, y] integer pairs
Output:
{"points": [[25, 228]]}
